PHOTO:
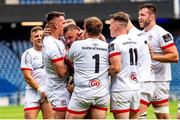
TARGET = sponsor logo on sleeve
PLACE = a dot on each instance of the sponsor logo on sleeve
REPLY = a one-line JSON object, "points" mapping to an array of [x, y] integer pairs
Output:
{"points": [[111, 47], [167, 37]]}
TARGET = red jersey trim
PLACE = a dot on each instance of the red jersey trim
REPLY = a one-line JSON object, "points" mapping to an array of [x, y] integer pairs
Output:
{"points": [[58, 59], [76, 112], [135, 111], [26, 69], [100, 108], [120, 111], [114, 54], [60, 109], [160, 102], [167, 46], [32, 108], [144, 102]]}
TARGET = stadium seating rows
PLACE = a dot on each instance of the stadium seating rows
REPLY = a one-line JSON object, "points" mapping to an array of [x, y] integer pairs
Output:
{"points": [[51, 1], [10, 67]]}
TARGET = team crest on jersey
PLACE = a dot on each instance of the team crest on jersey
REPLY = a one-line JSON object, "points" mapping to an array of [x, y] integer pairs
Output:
{"points": [[111, 47], [167, 37], [133, 76], [95, 83], [150, 38], [63, 102]]}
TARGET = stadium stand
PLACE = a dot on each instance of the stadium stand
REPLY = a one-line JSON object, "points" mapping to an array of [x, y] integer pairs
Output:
{"points": [[10, 67], [6, 87], [175, 83], [27, 2], [19, 46]]}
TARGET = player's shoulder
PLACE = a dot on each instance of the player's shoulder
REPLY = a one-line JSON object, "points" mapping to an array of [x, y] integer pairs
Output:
{"points": [[160, 30], [28, 51], [77, 43], [134, 32]]}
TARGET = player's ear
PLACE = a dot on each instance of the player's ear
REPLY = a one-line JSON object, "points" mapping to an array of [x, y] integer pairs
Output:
{"points": [[55, 25], [152, 16], [31, 39]]}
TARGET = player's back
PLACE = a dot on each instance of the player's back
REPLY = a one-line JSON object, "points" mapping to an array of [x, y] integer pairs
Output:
{"points": [[129, 50], [90, 58]]}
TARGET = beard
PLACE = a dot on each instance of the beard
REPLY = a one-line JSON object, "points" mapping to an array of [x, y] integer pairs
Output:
{"points": [[145, 23]]}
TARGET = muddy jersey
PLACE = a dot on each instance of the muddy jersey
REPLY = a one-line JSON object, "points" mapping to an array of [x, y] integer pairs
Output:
{"points": [[90, 58]]}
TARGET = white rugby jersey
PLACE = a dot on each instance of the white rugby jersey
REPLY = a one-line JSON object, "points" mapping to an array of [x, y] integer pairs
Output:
{"points": [[32, 60], [129, 50], [90, 58], [53, 51], [160, 39], [146, 72]]}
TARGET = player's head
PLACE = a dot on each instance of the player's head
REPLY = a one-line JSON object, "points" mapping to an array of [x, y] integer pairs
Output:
{"points": [[118, 23], [92, 27], [36, 36], [56, 21], [72, 32], [147, 13], [69, 21]]}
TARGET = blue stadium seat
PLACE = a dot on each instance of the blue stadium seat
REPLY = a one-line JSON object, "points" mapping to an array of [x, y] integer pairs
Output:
{"points": [[27, 2], [6, 87], [10, 67]]}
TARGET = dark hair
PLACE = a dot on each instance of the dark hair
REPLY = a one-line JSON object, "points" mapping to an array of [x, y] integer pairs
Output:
{"points": [[71, 27], [149, 6], [93, 26], [53, 14], [121, 17], [37, 28]]}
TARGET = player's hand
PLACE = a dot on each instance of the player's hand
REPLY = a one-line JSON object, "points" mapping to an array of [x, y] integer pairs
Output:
{"points": [[70, 83], [70, 87], [47, 31], [42, 92], [102, 37], [151, 51]]}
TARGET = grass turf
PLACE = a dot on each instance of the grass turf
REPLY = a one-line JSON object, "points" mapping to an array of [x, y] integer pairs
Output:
{"points": [[16, 112]]}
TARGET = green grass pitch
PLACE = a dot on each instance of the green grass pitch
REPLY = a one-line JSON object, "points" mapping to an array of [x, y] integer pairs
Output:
{"points": [[16, 112]]}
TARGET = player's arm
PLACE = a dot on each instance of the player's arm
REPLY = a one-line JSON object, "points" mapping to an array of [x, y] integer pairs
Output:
{"points": [[29, 79], [32, 82], [170, 55], [60, 68], [26, 67], [114, 59], [115, 65]]}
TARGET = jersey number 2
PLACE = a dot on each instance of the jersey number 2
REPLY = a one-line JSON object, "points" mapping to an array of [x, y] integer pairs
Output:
{"points": [[96, 57], [133, 56]]}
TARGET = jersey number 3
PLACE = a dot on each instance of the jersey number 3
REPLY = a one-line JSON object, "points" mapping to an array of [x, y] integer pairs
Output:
{"points": [[96, 57]]}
